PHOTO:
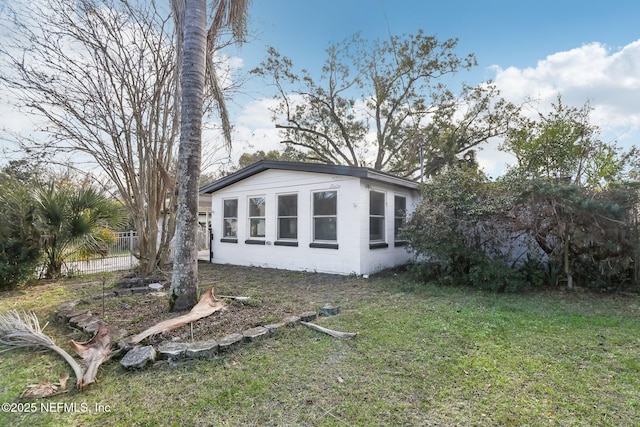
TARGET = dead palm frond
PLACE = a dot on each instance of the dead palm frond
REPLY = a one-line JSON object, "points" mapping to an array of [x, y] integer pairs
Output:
{"points": [[22, 330], [46, 389]]}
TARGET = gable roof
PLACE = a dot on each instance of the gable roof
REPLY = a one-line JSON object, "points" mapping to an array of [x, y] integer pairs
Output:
{"points": [[263, 165]]}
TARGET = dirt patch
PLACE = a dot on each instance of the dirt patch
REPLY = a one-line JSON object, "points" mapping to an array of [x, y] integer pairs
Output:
{"points": [[273, 296]]}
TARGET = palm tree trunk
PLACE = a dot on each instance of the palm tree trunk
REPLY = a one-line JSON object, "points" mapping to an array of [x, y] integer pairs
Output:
{"points": [[184, 282]]}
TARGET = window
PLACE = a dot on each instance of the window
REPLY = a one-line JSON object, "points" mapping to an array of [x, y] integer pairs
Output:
{"points": [[400, 216], [288, 217], [376, 216], [256, 217], [230, 218], [325, 216]]}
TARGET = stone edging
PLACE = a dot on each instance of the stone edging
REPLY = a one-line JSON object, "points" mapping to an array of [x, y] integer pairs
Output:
{"points": [[140, 356]]}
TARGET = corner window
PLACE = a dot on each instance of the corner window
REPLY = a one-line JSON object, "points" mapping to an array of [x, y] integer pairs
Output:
{"points": [[257, 217], [230, 218], [288, 217], [376, 216], [400, 216], [399, 219], [325, 216]]}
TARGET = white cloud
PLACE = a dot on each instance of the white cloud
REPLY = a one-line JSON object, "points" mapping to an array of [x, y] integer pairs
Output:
{"points": [[608, 80], [254, 128]]}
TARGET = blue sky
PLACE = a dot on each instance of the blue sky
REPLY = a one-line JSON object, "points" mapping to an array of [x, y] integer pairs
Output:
{"points": [[506, 33], [585, 50]]}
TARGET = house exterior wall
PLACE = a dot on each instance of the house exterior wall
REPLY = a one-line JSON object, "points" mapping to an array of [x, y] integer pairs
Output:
{"points": [[352, 255], [374, 255]]}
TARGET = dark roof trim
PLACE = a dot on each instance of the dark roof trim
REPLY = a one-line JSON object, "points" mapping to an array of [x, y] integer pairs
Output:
{"points": [[263, 165]]}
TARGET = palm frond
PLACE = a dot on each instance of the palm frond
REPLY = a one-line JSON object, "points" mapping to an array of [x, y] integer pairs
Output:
{"points": [[22, 330]]}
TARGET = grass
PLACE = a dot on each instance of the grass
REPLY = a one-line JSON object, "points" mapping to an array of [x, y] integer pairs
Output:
{"points": [[423, 356]]}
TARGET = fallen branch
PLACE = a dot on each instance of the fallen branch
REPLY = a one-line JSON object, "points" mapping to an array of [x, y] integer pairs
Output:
{"points": [[207, 305], [336, 334], [93, 353], [23, 331], [239, 299]]}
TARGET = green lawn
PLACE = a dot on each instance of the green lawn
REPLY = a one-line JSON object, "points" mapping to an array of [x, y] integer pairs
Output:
{"points": [[423, 356]]}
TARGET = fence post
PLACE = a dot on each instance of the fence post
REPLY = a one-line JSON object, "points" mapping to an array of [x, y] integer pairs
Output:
{"points": [[130, 248], [210, 244]]}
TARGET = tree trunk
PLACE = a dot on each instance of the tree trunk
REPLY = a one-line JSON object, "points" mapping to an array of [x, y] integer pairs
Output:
{"points": [[184, 282], [567, 267]]}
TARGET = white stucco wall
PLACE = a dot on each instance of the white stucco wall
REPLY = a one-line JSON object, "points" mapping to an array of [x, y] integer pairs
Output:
{"points": [[353, 254], [373, 260]]}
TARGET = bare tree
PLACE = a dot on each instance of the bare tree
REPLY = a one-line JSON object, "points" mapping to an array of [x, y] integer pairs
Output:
{"points": [[102, 75]]}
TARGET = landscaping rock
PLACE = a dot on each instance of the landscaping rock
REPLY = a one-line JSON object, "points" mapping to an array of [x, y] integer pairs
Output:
{"points": [[171, 350], [255, 334], [227, 342], [308, 316], [92, 328], [329, 310], [124, 344], [201, 349], [156, 287], [61, 313], [129, 291], [138, 357], [77, 320], [66, 315], [273, 327], [130, 282], [90, 325]]}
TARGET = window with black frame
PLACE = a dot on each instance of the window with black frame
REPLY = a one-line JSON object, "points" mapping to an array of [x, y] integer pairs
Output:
{"points": [[230, 219], [400, 218], [376, 217], [257, 223], [287, 217], [325, 216]]}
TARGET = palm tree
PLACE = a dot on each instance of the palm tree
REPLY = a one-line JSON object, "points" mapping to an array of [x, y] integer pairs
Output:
{"points": [[73, 221], [195, 50]]}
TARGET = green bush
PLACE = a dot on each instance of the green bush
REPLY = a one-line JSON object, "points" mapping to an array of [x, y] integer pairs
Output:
{"points": [[18, 261], [454, 228], [19, 246], [497, 276]]}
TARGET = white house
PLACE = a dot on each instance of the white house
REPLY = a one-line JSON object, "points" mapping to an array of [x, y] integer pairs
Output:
{"points": [[310, 217]]}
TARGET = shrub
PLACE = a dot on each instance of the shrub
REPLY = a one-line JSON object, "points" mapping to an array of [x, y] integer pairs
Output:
{"points": [[454, 230], [19, 248]]}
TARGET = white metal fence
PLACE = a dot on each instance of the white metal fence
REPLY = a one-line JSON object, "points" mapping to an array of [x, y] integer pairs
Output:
{"points": [[120, 254]]}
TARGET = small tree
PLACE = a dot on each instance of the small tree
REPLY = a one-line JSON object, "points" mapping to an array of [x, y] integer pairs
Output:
{"points": [[73, 221], [571, 196], [563, 146], [591, 236]]}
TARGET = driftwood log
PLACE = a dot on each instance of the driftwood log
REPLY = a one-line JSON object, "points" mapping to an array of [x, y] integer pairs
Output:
{"points": [[207, 305], [336, 334]]}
